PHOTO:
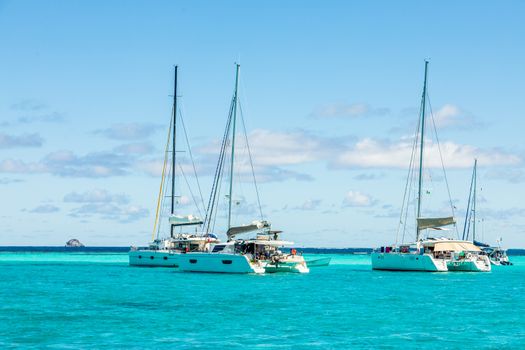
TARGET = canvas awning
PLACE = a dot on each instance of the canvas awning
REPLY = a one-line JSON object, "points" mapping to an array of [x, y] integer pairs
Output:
{"points": [[455, 246], [254, 226], [423, 223], [179, 220]]}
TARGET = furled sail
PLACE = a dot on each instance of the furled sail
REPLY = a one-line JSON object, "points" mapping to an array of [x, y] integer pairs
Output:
{"points": [[254, 226], [424, 223], [179, 220]]}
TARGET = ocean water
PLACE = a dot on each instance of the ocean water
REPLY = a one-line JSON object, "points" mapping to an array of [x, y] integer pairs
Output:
{"points": [[94, 301]]}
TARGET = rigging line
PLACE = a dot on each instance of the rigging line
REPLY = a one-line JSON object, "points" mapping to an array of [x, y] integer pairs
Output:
{"points": [[191, 158], [410, 171], [218, 172], [162, 182], [191, 192], [467, 216], [442, 164], [213, 202], [165, 209], [251, 162], [217, 202], [413, 178]]}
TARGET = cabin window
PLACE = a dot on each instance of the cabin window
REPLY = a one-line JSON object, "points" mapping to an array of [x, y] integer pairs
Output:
{"points": [[218, 248], [193, 261], [151, 257], [227, 262], [165, 258], [140, 256]]}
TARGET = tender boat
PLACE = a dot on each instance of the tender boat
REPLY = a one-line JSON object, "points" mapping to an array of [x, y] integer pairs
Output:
{"points": [[497, 255]]}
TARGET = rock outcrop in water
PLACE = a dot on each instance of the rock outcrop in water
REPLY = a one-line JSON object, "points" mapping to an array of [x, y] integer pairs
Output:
{"points": [[74, 243]]}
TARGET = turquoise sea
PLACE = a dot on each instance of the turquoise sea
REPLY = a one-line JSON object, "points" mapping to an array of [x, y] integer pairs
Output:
{"points": [[96, 301]]}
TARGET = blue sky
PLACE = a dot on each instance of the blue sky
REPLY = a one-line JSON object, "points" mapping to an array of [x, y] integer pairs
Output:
{"points": [[330, 92]]}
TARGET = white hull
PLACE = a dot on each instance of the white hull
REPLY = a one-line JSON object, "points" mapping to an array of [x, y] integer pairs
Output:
{"points": [[154, 258], [470, 265], [218, 263], [407, 262]]}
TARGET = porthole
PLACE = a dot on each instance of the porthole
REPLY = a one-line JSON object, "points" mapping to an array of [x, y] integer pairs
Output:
{"points": [[140, 256], [227, 262], [193, 261], [165, 258], [151, 257]]}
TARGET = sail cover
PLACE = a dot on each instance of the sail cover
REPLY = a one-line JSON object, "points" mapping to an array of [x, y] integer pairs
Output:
{"points": [[179, 220], [423, 223], [254, 226]]}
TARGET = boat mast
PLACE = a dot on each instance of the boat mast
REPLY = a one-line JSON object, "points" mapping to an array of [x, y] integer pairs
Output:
{"points": [[233, 143], [474, 201], [173, 154], [423, 105], [466, 227]]}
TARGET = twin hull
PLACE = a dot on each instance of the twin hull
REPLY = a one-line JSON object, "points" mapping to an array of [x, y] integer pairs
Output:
{"points": [[194, 262], [472, 265], [154, 258], [218, 263], [407, 262]]}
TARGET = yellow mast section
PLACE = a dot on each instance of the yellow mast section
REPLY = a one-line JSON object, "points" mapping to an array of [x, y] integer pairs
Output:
{"points": [[159, 199]]}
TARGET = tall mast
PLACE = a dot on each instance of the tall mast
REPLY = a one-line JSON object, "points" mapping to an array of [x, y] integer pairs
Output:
{"points": [[423, 105], [233, 143], [474, 200], [173, 154]]}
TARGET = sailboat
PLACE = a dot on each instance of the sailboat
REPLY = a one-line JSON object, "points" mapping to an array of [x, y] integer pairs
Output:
{"points": [[166, 252], [259, 254], [428, 254], [486, 255]]}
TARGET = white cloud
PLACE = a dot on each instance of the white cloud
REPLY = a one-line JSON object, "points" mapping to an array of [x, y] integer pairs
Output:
{"points": [[450, 115], [44, 209], [370, 153], [138, 148], [129, 131], [110, 211], [96, 196], [26, 140], [345, 110], [53, 117], [68, 164], [28, 105], [105, 205], [357, 199], [310, 204]]}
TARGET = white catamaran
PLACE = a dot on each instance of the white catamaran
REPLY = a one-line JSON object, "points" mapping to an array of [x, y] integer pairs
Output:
{"points": [[259, 254], [485, 255], [425, 254], [166, 252]]}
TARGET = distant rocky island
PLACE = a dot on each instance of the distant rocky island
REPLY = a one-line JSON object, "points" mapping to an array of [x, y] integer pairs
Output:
{"points": [[74, 243]]}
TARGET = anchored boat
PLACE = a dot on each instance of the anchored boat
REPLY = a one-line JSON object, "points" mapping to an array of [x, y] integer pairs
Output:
{"points": [[258, 254], [494, 255], [166, 251], [421, 255]]}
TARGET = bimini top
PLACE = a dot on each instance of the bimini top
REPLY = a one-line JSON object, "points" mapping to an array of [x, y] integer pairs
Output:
{"points": [[456, 246], [179, 220], [435, 223], [254, 226]]}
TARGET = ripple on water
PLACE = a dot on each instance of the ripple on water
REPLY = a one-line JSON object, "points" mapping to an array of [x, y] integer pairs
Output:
{"points": [[64, 301]]}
